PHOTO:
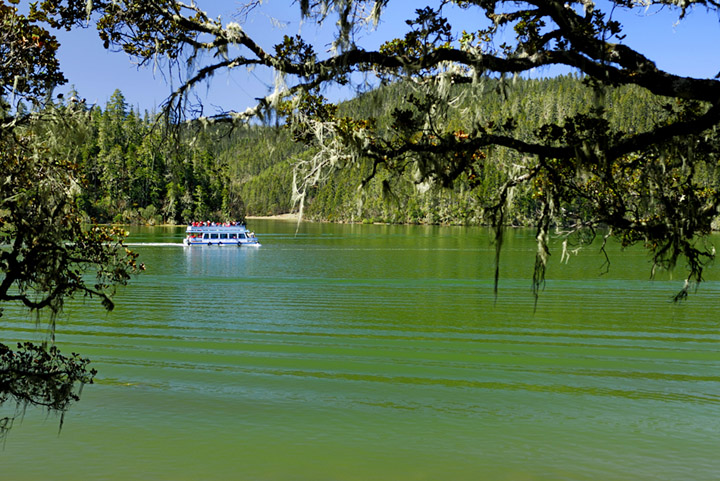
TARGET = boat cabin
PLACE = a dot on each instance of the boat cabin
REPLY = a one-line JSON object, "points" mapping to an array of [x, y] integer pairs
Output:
{"points": [[211, 233]]}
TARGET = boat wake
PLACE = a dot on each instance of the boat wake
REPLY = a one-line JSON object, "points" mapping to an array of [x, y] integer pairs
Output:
{"points": [[154, 244], [180, 244]]}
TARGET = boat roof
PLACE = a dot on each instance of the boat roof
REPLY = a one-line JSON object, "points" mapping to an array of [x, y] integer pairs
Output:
{"points": [[217, 228]]}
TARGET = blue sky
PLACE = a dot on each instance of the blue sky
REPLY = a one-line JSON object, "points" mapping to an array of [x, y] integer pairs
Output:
{"points": [[688, 47]]}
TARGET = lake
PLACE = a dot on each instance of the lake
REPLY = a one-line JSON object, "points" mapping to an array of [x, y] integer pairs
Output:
{"points": [[371, 352]]}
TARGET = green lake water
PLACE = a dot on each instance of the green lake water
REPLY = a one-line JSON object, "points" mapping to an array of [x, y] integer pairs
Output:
{"points": [[364, 352]]}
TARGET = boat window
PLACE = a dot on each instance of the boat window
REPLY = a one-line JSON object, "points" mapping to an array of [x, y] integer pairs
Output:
{"points": [[206, 236], [223, 236], [213, 236], [242, 236], [233, 235]]}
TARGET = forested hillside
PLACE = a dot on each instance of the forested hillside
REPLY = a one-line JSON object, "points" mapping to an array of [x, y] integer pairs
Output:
{"points": [[133, 174]]}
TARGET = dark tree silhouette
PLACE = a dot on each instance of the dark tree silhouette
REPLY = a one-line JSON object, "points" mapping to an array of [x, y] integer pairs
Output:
{"points": [[46, 253], [638, 186]]}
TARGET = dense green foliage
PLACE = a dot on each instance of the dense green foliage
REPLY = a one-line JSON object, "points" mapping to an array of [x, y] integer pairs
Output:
{"points": [[132, 172], [134, 176], [530, 103]]}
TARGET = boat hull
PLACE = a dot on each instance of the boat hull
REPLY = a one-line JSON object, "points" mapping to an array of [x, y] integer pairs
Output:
{"points": [[213, 242]]}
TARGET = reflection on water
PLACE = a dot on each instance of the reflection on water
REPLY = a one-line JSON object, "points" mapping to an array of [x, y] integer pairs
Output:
{"points": [[379, 352]]}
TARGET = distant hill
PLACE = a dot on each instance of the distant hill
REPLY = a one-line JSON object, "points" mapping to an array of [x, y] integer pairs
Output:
{"points": [[133, 174]]}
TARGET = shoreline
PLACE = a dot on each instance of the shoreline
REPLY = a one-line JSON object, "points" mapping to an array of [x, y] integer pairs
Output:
{"points": [[289, 216]]}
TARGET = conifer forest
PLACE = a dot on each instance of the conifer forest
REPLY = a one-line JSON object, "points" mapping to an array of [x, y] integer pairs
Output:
{"points": [[131, 174]]}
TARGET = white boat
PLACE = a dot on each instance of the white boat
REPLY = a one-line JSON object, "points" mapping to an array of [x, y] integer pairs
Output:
{"points": [[211, 233]]}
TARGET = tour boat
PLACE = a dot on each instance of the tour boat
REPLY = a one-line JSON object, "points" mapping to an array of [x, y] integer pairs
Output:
{"points": [[211, 233]]}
